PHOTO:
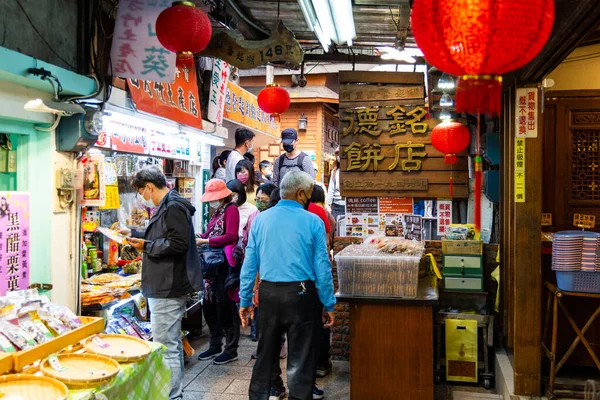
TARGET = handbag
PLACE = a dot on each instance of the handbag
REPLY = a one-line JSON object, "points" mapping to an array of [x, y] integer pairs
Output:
{"points": [[211, 259]]}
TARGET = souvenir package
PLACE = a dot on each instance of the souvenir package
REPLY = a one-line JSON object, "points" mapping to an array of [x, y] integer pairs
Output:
{"points": [[5, 345], [32, 323], [17, 335], [141, 332]]}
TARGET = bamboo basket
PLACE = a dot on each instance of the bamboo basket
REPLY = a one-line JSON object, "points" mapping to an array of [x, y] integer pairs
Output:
{"points": [[32, 387], [82, 370], [122, 348]]}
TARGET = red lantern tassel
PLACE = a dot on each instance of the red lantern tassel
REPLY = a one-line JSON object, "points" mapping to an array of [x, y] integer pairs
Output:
{"points": [[451, 186], [479, 94], [477, 200], [186, 59]]}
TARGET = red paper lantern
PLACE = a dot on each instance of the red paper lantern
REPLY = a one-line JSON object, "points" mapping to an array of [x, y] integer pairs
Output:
{"points": [[274, 100], [183, 29], [450, 138], [479, 41]]}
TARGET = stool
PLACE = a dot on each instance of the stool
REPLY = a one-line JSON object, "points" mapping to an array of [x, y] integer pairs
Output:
{"points": [[555, 297]]}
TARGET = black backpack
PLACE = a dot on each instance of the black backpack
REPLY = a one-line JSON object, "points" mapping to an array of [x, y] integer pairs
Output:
{"points": [[299, 161]]}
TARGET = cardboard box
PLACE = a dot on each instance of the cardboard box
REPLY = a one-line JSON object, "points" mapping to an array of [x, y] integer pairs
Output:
{"points": [[186, 187], [462, 247]]}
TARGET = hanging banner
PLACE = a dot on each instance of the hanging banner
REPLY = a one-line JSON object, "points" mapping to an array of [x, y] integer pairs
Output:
{"points": [[178, 101], [218, 88], [14, 241], [242, 108], [136, 52], [526, 113], [520, 171], [444, 216]]}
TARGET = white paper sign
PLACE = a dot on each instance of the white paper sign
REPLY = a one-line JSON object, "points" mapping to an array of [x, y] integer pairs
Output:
{"points": [[218, 88], [526, 113], [136, 52], [444, 216]]}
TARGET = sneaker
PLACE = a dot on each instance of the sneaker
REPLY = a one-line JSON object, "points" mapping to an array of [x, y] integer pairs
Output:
{"points": [[225, 358], [317, 393], [277, 393], [324, 370], [209, 354]]}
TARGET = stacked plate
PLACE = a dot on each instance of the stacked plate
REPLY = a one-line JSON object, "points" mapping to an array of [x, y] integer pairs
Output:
{"points": [[590, 256], [567, 249]]}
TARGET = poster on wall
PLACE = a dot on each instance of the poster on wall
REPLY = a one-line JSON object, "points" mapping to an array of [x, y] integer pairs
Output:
{"points": [[94, 189], [413, 227], [444, 216], [14, 241]]}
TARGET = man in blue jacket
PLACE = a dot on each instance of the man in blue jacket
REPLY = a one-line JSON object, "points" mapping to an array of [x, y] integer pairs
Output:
{"points": [[289, 245], [171, 269]]}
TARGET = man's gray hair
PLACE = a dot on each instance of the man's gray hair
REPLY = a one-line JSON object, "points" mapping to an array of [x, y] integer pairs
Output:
{"points": [[294, 180]]}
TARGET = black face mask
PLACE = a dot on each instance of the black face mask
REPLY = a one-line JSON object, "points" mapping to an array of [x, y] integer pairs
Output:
{"points": [[307, 203], [288, 147]]}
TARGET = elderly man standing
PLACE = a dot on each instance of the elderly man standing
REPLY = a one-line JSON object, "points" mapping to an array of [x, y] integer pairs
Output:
{"points": [[296, 274]]}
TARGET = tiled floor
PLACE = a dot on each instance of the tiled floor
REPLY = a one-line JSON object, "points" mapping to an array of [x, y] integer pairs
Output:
{"points": [[206, 381]]}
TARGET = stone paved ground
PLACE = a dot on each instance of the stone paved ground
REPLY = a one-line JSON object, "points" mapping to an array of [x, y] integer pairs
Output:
{"points": [[206, 381]]}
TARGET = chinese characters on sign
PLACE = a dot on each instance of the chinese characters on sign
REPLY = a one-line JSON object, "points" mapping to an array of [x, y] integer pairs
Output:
{"points": [[526, 113], [584, 221], [520, 171], [242, 108], [136, 52], [218, 88], [366, 121], [14, 241], [361, 205], [444, 216], [178, 101], [546, 219], [368, 156], [396, 205]]}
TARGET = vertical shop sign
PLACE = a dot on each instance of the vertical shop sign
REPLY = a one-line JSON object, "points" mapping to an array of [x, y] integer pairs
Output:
{"points": [[526, 113], [205, 205], [218, 89], [14, 241], [136, 52], [242, 108], [178, 101], [444, 216], [520, 171]]}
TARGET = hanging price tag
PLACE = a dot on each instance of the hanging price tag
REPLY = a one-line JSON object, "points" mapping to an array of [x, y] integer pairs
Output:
{"points": [[546, 219], [97, 340]]}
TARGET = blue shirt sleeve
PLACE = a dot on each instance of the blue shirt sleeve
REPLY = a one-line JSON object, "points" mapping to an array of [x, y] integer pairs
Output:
{"points": [[249, 268], [323, 268]]}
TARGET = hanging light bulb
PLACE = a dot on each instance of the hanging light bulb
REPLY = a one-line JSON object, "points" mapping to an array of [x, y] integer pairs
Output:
{"points": [[446, 101], [445, 115], [446, 82]]}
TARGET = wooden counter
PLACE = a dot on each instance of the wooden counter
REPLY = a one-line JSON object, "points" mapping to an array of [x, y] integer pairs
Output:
{"points": [[391, 346]]}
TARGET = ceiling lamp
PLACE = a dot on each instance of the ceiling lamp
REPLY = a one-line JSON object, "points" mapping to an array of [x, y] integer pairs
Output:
{"points": [[445, 115], [446, 82], [274, 100], [330, 20], [391, 53], [183, 29], [446, 101]]}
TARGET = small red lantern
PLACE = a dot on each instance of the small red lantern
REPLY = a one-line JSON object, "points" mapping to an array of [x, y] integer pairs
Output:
{"points": [[479, 41], [274, 100], [450, 138], [183, 29]]}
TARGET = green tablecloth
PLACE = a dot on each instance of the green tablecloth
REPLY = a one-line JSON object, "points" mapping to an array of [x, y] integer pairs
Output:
{"points": [[148, 379]]}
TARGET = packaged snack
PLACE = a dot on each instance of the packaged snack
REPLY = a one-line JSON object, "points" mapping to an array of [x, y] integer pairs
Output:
{"points": [[18, 336], [136, 326], [129, 330], [61, 313], [5, 345], [54, 325], [35, 327]]}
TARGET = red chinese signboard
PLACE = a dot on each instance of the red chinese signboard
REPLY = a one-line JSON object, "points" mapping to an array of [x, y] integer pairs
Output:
{"points": [[178, 101], [526, 113]]}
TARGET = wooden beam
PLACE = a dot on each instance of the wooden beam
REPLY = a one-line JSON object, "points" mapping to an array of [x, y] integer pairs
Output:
{"points": [[356, 58]]}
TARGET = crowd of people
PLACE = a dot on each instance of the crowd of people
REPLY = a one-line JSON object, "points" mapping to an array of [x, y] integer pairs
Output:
{"points": [[265, 260]]}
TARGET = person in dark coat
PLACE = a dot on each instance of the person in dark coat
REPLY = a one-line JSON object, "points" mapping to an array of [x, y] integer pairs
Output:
{"points": [[171, 268]]}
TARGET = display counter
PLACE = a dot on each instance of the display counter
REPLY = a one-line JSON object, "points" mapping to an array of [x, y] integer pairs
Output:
{"points": [[391, 342]]}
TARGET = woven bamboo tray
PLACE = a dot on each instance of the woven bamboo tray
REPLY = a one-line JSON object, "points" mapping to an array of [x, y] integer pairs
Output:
{"points": [[82, 370], [32, 387], [122, 348]]}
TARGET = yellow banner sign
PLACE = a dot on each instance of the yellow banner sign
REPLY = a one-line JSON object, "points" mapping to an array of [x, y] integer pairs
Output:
{"points": [[520, 171], [242, 108]]}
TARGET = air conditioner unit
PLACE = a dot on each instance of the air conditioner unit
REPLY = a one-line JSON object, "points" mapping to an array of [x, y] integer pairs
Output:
{"points": [[79, 132]]}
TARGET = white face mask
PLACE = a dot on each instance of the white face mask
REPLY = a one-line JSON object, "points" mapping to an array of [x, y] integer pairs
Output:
{"points": [[147, 203], [214, 204]]}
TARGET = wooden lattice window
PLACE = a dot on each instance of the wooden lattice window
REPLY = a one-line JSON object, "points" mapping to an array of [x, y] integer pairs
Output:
{"points": [[585, 165]]}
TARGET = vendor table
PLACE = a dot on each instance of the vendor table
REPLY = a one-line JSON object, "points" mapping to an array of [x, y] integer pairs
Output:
{"points": [[148, 379], [391, 345]]}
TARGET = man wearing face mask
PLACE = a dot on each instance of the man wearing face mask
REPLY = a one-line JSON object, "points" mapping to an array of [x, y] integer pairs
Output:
{"points": [[291, 287], [171, 267], [293, 159], [244, 143]]}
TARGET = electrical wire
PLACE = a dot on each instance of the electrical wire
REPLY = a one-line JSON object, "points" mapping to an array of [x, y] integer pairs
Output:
{"points": [[41, 36], [394, 19]]}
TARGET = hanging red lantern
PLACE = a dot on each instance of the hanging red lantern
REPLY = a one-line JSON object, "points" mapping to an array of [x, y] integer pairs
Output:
{"points": [[479, 41], [183, 29], [274, 100], [450, 138]]}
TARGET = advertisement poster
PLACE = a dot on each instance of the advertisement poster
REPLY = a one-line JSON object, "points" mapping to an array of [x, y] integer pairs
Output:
{"points": [[413, 227], [94, 190], [14, 241], [361, 205], [396, 205], [392, 224], [444, 216], [360, 225]]}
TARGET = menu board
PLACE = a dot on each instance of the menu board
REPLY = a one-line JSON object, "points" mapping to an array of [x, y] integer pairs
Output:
{"points": [[361, 205], [396, 205]]}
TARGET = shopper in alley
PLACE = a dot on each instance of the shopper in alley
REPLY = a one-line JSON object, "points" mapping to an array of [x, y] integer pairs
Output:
{"points": [[171, 268], [293, 159], [244, 143], [295, 275]]}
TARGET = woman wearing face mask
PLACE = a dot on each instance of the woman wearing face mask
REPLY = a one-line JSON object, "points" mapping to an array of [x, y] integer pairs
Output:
{"points": [[244, 172], [220, 312], [240, 199]]}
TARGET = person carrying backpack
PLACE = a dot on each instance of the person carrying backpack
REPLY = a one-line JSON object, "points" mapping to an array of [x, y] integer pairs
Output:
{"points": [[293, 159]]}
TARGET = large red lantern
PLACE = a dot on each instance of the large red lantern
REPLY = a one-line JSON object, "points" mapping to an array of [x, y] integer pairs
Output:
{"points": [[450, 138], [183, 29], [274, 100], [478, 41]]}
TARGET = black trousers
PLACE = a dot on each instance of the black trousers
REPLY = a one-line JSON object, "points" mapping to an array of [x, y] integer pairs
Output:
{"points": [[291, 308], [222, 317]]}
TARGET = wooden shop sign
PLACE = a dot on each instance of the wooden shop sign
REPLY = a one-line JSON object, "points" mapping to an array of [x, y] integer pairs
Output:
{"points": [[281, 46], [386, 139]]}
